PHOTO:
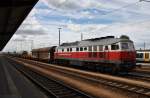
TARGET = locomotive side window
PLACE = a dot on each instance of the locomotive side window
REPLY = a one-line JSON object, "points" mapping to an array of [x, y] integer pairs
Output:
{"points": [[81, 48], [85, 48], [70, 49], [100, 47], [90, 48], [62, 50], [67, 49], [73, 49], [95, 48], [77, 49], [106, 47], [124, 46], [114, 47]]}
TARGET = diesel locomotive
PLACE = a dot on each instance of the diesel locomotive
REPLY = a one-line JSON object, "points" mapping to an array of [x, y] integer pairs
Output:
{"points": [[103, 54]]}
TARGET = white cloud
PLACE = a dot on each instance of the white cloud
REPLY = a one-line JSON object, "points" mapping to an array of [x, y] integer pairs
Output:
{"points": [[130, 20], [84, 27], [72, 5], [137, 31], [76, 9]]}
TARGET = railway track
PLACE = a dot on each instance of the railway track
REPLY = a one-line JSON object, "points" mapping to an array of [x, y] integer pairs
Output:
{"points": [[54, 88], [141, 90], [127, 87], [139, 76], [141, 71]]}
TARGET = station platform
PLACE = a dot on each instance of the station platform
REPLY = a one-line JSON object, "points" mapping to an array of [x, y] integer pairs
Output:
{"points": [[14, 85]]}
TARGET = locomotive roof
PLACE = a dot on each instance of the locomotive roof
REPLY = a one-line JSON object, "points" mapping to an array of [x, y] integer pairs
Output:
{"points": [[97, 41]]}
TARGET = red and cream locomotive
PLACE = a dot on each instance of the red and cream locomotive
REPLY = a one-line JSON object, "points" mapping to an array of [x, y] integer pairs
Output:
{"points": [[105, 54]]}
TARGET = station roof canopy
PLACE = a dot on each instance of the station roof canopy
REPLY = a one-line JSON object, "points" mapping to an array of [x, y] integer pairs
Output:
{"points": [[12, 14]]}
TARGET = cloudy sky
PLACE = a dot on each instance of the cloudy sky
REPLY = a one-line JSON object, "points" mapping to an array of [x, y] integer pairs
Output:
{"points": [[93, 18]]}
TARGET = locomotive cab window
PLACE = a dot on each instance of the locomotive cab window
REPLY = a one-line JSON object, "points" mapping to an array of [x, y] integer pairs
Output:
{"points": [[124, 46], [114, 47]]}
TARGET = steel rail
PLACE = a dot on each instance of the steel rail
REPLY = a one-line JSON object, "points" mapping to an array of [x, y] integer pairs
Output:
{"points": [[56, 88], [117, 84]]}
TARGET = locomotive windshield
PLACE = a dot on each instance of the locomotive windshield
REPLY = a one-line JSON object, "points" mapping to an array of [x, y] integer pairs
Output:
{"points": [[127, 46], [124, 46]]}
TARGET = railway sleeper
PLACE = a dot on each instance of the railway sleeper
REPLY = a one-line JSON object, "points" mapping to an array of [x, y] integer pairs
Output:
{"points": [[60, 90], [63, 93]]}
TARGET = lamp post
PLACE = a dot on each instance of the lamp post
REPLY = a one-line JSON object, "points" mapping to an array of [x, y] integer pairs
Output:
{"points": [[81, 36], [59, 35]]}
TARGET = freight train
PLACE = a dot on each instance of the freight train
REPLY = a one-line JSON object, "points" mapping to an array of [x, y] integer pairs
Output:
{"points": [[104, 54]]}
